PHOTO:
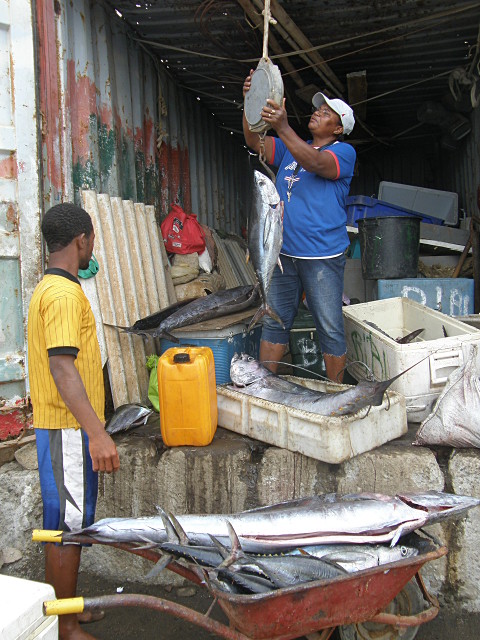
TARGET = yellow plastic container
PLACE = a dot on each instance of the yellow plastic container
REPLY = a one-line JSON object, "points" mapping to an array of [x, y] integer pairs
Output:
{"points": [[187, 395]]}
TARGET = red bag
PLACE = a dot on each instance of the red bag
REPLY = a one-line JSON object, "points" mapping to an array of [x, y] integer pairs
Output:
{"points": [[182, 233]]}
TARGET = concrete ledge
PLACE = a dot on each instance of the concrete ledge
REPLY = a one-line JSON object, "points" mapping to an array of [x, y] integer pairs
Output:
{"points": [[236, 473]]}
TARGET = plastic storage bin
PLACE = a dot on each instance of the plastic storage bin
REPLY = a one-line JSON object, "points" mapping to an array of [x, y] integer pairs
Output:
{"points": [[359, 207], [223, 343], [331, 440], [434, 355], [304, 348], [187, 396], [22, 614], [442, 205], [453, 296]]}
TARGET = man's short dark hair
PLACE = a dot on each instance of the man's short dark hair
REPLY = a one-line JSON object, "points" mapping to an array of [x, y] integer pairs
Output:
{"points": [[64, 222]]}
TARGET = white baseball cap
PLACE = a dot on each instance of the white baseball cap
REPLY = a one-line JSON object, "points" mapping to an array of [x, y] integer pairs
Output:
{"points": [[339, 106]]}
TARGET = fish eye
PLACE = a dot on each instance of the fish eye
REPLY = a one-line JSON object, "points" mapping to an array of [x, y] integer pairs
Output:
{"points": [[403, 551]]}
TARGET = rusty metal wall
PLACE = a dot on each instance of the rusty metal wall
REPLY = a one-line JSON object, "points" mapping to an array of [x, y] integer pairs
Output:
{"points": [[20, 246], [462, 171], [115, 122]]}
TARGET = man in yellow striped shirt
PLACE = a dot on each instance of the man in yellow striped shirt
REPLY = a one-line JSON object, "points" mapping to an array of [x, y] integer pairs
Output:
{"points": [[68, 398]]}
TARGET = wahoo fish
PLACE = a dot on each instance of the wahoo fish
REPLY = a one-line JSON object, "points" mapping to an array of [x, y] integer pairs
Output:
{"points": [[265, 238], [251, 377], [327, 519], [221, 303], [126, 417]]}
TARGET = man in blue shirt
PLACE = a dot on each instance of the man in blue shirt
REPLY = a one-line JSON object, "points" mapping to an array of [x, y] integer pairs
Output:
{"points": [[313, 180]]}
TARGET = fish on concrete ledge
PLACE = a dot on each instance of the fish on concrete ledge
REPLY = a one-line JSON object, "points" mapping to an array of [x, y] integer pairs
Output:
{"points": [[126, 417]]}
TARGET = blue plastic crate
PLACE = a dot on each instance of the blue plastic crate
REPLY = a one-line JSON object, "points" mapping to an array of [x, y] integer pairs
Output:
{"points": [[365, 207], [224, 344], [453, 296]]}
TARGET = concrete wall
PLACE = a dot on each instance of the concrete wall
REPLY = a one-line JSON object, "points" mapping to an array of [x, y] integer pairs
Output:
{"points": [[236, 473]]}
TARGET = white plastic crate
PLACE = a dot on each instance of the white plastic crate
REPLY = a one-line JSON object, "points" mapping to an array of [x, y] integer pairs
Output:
{"points": [[434, 354], [22, 616], [331, 440]]}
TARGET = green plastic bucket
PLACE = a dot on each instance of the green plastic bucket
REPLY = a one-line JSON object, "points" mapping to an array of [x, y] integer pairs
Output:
{"points": [[389, 247]]}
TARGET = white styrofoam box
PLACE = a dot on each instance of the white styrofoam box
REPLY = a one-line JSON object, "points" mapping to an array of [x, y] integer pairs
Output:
{"points": [[331, 440], [434, 355], [22, 615], [431, 202]]}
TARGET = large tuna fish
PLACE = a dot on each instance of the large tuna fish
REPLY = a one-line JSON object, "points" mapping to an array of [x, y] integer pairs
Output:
{"points": [[215, 305], [251, 377], [265, 237], [328, 519]]}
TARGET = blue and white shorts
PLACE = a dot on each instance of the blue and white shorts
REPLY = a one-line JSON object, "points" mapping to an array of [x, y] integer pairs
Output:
{"points": [[68, 483]]}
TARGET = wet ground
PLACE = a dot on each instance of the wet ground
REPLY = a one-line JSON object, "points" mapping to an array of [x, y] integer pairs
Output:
{"points": [[145, 624]]}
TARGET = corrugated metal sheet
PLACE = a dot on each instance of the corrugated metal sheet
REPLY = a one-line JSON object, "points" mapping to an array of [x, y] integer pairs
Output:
{"points": [[115, 121], [133, 281]]}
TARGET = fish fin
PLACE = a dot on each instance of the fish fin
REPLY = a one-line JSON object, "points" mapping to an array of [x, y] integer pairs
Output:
{"points": [[279, 262], [247, 256], [397, 535], [265, 309], [149, 545], [173, 528], [266, 229], [236, 550], [160, 565], [166, 334], [224, 552], [117, 326], [410, 336]]}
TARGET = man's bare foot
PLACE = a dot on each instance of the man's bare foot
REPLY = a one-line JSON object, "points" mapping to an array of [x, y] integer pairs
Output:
{"points": [[90, 616]]}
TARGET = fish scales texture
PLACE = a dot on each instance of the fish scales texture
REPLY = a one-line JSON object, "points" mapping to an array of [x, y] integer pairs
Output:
{"points": [[265, 237]]}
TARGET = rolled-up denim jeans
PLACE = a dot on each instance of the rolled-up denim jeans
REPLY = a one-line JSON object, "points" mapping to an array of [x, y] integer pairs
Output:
{"points": [[322, 281]]}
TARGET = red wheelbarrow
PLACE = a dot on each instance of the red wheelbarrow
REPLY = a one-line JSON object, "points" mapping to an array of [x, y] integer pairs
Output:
{"points": [[355, 602]]}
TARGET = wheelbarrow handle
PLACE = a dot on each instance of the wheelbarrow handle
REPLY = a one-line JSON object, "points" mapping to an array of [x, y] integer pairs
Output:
{"points": [[63, 607], [44, 535], [406, 621]]}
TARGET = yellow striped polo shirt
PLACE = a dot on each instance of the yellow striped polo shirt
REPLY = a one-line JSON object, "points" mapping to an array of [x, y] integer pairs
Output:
{"points": [[61, 321]]}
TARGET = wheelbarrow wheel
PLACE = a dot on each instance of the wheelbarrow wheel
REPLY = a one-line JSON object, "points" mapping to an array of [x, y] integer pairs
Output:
{"points": [[408, 602]]}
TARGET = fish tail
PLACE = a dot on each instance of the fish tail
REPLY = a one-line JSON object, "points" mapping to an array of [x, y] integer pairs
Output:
{"points": [[265, 310], [167, 335], [117, 326]]}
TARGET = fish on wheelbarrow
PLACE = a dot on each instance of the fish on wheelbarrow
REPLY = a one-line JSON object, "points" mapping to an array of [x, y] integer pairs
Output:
{"points": [[215, 305], [265, 238], [126, 417], [254, 574], [328, 519], [250, 377], [351, 557]]}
